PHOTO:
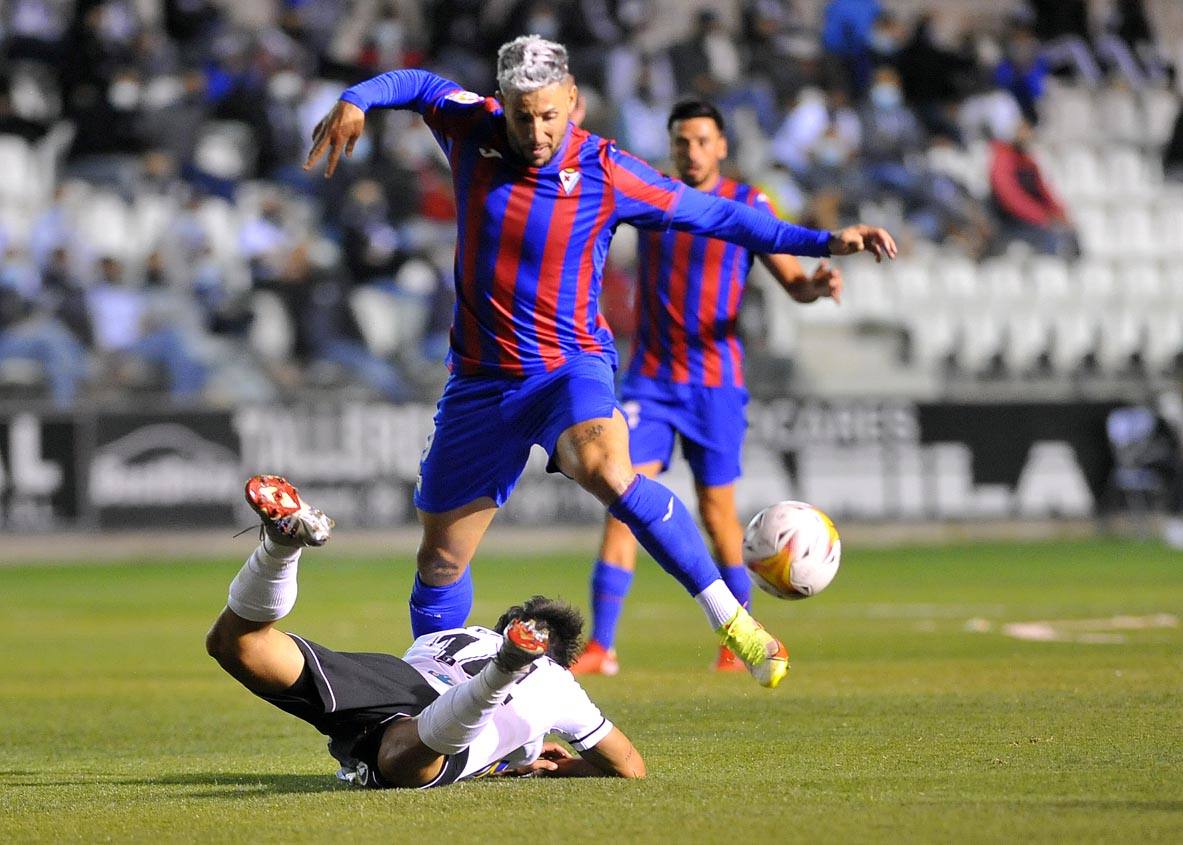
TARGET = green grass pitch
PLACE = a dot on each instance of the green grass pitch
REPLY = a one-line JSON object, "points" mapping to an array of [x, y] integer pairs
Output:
{"points": [[898, 722]]}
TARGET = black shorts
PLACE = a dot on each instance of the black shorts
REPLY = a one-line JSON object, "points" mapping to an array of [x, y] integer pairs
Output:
{"points": [[351, 697]]}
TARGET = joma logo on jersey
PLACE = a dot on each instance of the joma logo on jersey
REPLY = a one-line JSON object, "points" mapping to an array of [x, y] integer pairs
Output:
{"points": [[465, 98], [488, 152], [569, 178]]}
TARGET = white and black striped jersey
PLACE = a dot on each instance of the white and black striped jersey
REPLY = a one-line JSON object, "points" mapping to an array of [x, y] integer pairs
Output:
{"points": [[546, 700]]}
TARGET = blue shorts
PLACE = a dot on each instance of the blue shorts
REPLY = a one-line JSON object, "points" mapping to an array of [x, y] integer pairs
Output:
{"points": [[710, 421], [485, 426]]}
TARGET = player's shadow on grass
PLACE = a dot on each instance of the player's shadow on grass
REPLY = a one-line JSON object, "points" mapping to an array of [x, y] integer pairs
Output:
{"points": [[231, 785], [216, 784]]}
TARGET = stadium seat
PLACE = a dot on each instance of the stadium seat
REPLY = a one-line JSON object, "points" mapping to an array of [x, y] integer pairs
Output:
{"points": [[1076, 171], [1093, 281], [1164, 342], [933, 339], [1122, 332], [104, 222], [910, 282], [1169, 219], [16, 163], [1119, 115], [1001, 283], [1127, 172], [957, 278], [1074, 339], [1133, 231], [1047, 278], [868, 294], [1094, 229], [1159, 108], [1067, 113], [376, 313], [272, 335], [1028, 341], [982, 335], [1140, 284]]}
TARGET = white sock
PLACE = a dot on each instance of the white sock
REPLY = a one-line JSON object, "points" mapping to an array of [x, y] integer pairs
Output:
{"points": [[718, 604], [454, 720], [265, 588]]}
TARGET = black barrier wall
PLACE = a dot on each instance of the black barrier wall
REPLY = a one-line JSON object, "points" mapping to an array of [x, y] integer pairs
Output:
{"points": [[863, 459]]}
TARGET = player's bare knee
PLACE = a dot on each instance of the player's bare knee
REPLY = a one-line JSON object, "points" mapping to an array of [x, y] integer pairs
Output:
{"points": [[437, 567], [606, 479]]}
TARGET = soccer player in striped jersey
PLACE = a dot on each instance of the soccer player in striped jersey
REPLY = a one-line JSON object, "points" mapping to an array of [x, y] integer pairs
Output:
{"points": [[685, 378], [532, 360]]}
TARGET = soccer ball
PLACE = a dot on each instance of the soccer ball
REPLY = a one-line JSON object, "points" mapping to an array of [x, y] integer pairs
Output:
{"points": [[791, 550]]}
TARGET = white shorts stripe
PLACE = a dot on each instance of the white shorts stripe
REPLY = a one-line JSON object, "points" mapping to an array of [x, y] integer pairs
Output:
{"points": [[316, 664]]}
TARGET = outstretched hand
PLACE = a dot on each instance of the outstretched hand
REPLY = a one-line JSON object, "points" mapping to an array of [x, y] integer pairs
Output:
{"points": [[826, 281], [337, 132], [861, 237], [548, 762]]}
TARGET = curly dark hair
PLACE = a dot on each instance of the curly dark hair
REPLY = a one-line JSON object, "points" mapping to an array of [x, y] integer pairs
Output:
{"points": [[564, 622]]}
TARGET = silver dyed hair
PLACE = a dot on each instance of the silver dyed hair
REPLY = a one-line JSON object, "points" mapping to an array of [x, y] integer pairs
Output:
{"points": [[530, 62]]}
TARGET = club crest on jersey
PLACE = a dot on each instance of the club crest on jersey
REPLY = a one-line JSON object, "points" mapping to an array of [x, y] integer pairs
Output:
{"points": [[569, 178], [465, 98]]}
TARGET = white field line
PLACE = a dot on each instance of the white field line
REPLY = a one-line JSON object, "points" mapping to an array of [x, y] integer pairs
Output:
{"points": [[1095, 631]]}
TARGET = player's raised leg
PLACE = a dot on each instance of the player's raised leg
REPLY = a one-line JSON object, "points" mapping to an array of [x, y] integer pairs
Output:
{"points": [[595, 453], [716, 508], [611, 578], [244, 639], [442, 595]]}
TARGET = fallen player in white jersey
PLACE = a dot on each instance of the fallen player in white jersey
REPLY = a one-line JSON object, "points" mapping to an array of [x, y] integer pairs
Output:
{"points": [[460, 704]]}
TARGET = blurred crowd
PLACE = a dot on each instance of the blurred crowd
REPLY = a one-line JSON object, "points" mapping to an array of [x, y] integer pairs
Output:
{"points": [[160, 235]]}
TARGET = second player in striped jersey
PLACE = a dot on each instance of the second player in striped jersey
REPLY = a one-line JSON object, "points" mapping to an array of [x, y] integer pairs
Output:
{"points": [[685, 377]]}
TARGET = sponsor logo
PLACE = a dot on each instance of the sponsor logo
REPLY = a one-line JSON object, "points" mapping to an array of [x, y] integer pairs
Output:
{"points": [[163, 464], [669, 511], [569, 177], [465, 98]]}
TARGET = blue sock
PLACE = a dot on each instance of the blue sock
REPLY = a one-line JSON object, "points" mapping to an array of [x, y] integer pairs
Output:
{"points": [[736, 577], [661, 524], [440, 608], [609, 586]]}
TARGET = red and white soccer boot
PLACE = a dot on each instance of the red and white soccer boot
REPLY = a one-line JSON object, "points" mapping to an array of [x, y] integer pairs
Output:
{"points": [[596, 660], [525, 641], [287, 519]]}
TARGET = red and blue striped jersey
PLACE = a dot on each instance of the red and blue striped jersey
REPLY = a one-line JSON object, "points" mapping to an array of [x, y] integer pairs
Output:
{"points": [[688, 295], [531, 241]]}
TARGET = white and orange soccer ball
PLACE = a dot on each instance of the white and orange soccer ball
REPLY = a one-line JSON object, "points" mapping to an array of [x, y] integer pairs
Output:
{"points": [[791, 550]]}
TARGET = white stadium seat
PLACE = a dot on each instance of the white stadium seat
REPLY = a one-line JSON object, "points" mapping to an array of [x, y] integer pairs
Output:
{"points": [[1094, 281], [983, 333], [1028, 340], [1119, 115], [933, 336], [1164, 341], [1047, 280], [1159, 109], [1094, 229], [16, 163], [272, 334], [1121, 336], [1074, 338]]}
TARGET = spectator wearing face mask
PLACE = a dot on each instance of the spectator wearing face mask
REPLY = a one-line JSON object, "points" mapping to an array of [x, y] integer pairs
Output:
{"points": [[890, 132]]}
